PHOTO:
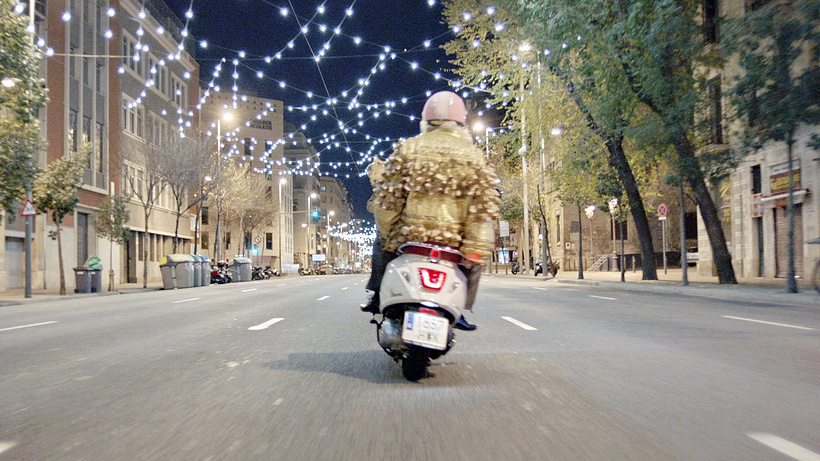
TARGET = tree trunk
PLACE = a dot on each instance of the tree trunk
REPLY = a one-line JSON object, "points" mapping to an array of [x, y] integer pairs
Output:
{"points": [[580, 246], [791, 281], [145, 254], [176, 233], [617, 158], [708, 211], [60, 258]]}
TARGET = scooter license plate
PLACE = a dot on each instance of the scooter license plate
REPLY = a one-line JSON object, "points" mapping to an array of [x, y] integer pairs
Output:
{"points": [[425, 330]]}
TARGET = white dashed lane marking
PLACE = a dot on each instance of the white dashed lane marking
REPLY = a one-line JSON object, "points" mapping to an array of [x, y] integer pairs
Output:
{"points": [[4, 446], [250, 289], [767, 323], [186, 300], [323, 298], [28, 326], [266, 325], [520, 324], [784, 446], [603, 297]]}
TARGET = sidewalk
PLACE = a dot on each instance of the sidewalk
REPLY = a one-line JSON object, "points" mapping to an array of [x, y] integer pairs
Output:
{"points": [[16, 296], [748, 289]]}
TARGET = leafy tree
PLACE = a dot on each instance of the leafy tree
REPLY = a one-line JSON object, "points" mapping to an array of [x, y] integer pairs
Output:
{"points": [[22, 95], [775, 93], [483, 53], [110, 223], [652, 50], [55, 192]]}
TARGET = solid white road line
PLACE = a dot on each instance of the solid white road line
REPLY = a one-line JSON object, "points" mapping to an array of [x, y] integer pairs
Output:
{"points": [[187, 300], [263, 326], [250, 289], [28, 326], [6, 446], [603, 297], [520, 324], [767, 323], [539, 288], [784, 446], [323, 298]]}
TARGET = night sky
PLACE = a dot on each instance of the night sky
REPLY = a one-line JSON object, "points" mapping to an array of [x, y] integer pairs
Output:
{"points": [[258, 28]]}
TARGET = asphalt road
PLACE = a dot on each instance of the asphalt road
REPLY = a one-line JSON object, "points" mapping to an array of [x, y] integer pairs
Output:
{"points": [[289, 369]]}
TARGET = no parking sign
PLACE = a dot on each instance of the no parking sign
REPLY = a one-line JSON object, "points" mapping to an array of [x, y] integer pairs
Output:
{"points": [[663, 210]]}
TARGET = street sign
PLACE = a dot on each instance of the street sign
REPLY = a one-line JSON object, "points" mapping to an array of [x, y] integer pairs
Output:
{"points": [[257, 239], [663, 210], [504, 228], [28, 209]]}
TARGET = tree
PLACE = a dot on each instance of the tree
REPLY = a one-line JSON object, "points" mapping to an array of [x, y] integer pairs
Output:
{"points": [[775, 94], [248, 199], [184, 176], [145, 165], [658, 49], [22, 95], [55, 192], [483, 54], [110, 223]]}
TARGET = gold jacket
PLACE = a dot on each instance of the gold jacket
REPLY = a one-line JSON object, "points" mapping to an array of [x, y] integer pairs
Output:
{"points": [[436, 188]]}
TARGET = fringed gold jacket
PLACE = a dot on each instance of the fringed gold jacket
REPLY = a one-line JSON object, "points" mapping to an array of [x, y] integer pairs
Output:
{"points": [[436, 188]]}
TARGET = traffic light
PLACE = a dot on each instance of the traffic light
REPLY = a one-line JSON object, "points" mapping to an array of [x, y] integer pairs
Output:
{"points": [[315, 215]]}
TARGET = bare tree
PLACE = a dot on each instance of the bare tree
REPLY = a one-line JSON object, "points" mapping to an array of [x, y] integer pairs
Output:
{"points": [[185, 175], [145, 165], [248, 200]]}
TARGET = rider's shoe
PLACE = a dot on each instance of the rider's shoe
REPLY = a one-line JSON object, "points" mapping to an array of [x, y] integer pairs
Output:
{"points": [[462, 324], [371, 306]]}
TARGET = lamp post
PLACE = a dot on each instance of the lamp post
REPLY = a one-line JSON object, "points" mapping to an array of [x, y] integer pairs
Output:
{"points": [[308, 222], [523, 153], [282, 181], [329, 246], [227, 116]]}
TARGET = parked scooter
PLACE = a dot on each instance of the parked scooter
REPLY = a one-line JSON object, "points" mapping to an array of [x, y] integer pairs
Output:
{"points": [[271, 272], [219, 276], [422, 296], [259, 274]]}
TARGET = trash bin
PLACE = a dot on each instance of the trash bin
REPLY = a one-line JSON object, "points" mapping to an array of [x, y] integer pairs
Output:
{"points": [[95, 277], [82, 280], [241, 269], [177, 271], [206, 271], [197, 271]]}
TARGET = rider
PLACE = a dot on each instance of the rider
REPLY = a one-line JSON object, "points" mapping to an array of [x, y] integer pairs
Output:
{"points": [[435, 188]]}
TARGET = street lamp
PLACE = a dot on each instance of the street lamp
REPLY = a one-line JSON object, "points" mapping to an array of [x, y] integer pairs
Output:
{"points": [[478, 127], [309, 221], [227, 116], [522, 152], [329, 246], [282, 181]]}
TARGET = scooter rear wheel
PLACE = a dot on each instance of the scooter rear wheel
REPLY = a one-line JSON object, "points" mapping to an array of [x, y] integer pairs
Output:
{"points": [[414, 366]]}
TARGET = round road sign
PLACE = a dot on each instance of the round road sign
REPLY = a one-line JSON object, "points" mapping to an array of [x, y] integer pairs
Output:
{"points": [[663, 210]]}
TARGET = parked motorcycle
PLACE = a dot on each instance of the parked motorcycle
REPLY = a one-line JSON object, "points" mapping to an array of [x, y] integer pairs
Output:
{"points": [[271, 272], [218, 276], [259, 274], [516, 268], [552, 268], [307, 271], [422, 296]]}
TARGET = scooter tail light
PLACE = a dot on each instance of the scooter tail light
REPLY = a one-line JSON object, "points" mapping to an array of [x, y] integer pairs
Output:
{"points": [[432, 279]]}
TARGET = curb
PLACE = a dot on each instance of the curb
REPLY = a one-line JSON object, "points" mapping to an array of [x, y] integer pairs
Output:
{"points": [[54, 298], [728, 293]]}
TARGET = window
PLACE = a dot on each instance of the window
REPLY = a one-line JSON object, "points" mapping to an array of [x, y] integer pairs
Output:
{"points": [[204, 241], [227, 240], [98, 147], [268, 240], [98, 77], [86, 72], [141, 246], [72, 66], [205, 216], [179, 90], [132, 115], [715, 111], [617, 231], [130, 56], [72, 130], [710, 21], [757, 184]]}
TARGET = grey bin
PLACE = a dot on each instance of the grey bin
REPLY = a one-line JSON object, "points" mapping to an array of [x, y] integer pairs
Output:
{"points": [[197, 271], [87, 280], [206, 271], [240, 269], [177, 271]]}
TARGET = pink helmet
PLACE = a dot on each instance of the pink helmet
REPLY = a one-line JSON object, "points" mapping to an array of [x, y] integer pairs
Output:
{"points": [[445, 106]]}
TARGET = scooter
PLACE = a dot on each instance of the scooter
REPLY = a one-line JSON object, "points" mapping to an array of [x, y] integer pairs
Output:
{"points": [[422, 295], [219, 277]]}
